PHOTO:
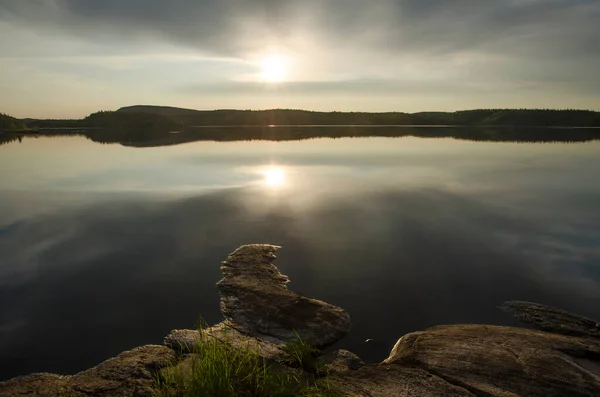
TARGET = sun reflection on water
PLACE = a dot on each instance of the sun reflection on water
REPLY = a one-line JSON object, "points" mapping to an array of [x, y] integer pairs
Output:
{"points": [[274, 176]]}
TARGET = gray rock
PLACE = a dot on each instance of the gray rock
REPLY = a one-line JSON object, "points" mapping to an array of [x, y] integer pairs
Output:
{"points": [[260, 312], [377, 380], [341, 361], [255, 300], [129, 374], [37, 385], [264, 347], [486, 360], [184, 341], [553, 320]]}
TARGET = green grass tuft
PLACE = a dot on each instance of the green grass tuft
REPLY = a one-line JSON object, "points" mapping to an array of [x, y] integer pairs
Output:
{"points": [[299, 353], [216, 369]]}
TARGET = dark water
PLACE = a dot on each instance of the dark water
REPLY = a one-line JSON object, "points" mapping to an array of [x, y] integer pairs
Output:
{"points": [[105, 247]]}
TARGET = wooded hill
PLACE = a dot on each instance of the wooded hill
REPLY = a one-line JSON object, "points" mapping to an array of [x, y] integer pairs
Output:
{"points": [[8, 123], [486, 117], [171, 118]]}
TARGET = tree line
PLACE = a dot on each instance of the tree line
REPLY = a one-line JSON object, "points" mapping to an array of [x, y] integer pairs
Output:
{"points": [[154, 120], [484, 117], [8, 123]]}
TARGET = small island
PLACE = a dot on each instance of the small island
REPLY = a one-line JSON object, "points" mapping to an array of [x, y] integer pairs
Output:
{"points": [[287, 335]]}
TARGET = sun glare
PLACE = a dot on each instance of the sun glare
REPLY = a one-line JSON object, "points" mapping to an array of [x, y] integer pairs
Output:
{"points": [[273, 69], [274, 176]]}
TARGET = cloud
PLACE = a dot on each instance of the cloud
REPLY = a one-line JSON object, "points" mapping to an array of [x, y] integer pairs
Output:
{"points": [[353, 86], [528, 52], [229, 27], [392, 30]]}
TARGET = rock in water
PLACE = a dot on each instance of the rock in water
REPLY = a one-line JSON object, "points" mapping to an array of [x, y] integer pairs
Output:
{"points": [[553, 320], [255, 300]]}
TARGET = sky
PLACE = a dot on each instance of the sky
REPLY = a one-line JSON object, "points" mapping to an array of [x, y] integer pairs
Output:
{"points": [[69, 58]]}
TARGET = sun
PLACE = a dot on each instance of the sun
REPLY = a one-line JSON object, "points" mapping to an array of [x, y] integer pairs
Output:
{"points": [[274, 176], [273, 69]]}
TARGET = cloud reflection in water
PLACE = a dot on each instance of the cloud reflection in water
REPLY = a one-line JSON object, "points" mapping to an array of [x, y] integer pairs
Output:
{"points": [[403, 237]]}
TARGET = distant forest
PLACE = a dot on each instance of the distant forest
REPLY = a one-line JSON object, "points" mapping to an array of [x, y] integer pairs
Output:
{"points": [[8, 123], [514, 117], [156, 125], [161, 118]]}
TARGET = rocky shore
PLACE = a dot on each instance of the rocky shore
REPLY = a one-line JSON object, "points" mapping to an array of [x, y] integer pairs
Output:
{"points": [[561, 357]]}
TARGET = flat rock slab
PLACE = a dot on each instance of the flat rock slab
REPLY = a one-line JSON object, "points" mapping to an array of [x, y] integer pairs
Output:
{"points": [[182, 340], [487, 360], [378, 380], [129, 374], [553, 320], [255, 300], [185, 341]]}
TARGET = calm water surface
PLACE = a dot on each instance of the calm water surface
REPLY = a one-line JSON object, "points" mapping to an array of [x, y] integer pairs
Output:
{"points": [[105, 247]]}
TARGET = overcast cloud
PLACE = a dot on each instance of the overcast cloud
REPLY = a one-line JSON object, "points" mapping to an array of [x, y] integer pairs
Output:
{"points": [[406, 55]]}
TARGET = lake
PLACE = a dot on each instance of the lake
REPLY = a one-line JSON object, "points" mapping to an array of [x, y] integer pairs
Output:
{"points": [[104, 247]]}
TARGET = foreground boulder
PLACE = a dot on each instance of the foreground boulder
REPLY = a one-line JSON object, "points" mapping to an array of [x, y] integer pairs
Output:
{"points": [[503, 361], [255, 300], [260, 312]]}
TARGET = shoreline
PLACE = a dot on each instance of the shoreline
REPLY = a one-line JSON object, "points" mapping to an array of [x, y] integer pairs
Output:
{"points": [[560, 357]]}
